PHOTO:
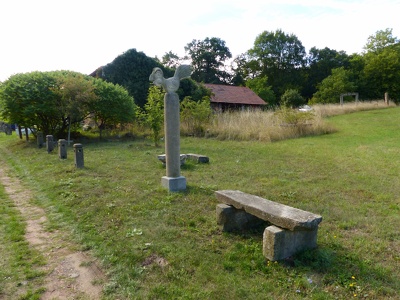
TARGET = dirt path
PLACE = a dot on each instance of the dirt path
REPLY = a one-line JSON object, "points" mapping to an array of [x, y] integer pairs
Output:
{"points": [[70, 274]]}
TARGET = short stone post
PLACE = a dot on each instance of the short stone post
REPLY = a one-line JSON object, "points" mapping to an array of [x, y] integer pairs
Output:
{"points": [[78, 150], [387, 98], [49, 143], [39, 139], [62, 149]]}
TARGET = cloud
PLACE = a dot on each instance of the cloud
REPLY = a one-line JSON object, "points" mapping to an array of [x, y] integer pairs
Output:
{"points": [[83, 35]]}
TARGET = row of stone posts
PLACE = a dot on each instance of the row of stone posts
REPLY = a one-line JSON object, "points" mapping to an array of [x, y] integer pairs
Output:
{"points": [[62, 148]]}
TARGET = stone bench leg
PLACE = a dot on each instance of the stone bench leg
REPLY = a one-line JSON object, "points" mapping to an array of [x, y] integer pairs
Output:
{"points": [[232, 219], [281, 243]]}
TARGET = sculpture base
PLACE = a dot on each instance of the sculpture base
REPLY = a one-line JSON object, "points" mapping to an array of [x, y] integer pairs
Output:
{"points": [[174, 184]]}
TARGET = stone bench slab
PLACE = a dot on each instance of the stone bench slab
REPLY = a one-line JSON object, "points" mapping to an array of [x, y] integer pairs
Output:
{"points": [[198, 158], [163, 158], [278, 214]]}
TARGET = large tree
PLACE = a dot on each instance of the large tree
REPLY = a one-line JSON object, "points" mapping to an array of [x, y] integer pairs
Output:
{"points": [[53, 101], [131, 70], [331, 87], [320, 63], [381, 66], [31, 99], [113, 105], [208, 58], [381, 73], [280, 57], [380, 40], [259, 85]]}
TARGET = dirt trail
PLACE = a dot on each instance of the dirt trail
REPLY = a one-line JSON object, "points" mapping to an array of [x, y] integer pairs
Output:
{"points": [[70, 274]]}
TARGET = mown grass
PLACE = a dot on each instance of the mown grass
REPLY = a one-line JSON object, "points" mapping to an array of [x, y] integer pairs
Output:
{"points": [[19, 264], [160, 245]]}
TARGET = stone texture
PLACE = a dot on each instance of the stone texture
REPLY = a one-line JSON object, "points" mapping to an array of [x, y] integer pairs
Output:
{"points": [[279, 243], [198, 158], [172, 144], [163, 159], [79, 160], [278, 214], [62, 149], [49, 143], [232, 219], [39, 139], [172, 134], [174, 184]]}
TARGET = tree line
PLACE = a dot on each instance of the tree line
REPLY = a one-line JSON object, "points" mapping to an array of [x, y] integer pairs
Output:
{"points": [[277, 68], [52, 102], [278, 62]]}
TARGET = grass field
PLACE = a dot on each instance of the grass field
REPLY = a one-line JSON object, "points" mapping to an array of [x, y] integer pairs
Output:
{"points": [[159, 245]]}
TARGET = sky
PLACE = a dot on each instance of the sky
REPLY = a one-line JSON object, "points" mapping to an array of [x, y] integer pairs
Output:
{"points": [[82, 35]]}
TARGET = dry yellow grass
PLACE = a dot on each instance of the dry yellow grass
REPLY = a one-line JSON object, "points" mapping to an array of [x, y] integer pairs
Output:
{"points": [[268, 126], [327, 110]]}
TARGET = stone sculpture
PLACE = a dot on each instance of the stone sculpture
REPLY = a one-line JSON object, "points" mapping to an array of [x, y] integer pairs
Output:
{"points": [[173, 181], [171, 84]]}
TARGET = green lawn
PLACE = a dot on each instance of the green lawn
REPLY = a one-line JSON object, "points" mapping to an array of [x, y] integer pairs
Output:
{"points": [[160, 245]]}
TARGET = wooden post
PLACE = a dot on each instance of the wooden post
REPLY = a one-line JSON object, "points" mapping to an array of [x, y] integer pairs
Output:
{"points": [[387, 98]]}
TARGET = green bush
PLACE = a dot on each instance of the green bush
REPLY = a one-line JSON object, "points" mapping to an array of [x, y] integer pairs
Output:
{"points": [[292, 98], [195, 115], [152, 114], [292, 117]]}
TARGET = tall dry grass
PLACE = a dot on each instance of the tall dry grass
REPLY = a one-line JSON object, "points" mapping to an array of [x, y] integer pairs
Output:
{"points": [[281, 124], [266, 126], [327, 110]]}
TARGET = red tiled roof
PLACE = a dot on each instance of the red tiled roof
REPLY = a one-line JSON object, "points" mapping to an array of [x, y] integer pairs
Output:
{"points": [[233, 94]]}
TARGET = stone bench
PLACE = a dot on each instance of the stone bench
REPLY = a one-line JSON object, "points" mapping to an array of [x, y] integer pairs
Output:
{"points": [[163, 158], [291, 230], [198, 158]]}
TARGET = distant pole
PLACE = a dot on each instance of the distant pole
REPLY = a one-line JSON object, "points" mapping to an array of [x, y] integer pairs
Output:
{"points": [[387, 98]]}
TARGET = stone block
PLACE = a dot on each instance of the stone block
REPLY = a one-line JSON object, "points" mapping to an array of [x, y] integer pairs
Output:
{"points": [[62, 149], [40, 139], [279, 243], [163, 159], [49, 143], [174, 184], [232, 219], [198, 158], [79, 159]]}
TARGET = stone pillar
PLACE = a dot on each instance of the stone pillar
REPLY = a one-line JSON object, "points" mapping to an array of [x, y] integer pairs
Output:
{"points": [[78, 150], [62, 149], [40, 140], [173, 181], [49, 143], [387, 98]]}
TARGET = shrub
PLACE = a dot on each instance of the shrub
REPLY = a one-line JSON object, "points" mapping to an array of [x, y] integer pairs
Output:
{"points": [[152, 114], [292, 98], [195, 115]]}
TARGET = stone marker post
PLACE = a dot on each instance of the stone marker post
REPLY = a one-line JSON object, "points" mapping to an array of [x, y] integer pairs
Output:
{"points": [[39, 139], [78, 150], [62, 149], [49, 143], [174, 182]]}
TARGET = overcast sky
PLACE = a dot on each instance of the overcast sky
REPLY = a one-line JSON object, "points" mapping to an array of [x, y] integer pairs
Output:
{"points": [[81, 35]]}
